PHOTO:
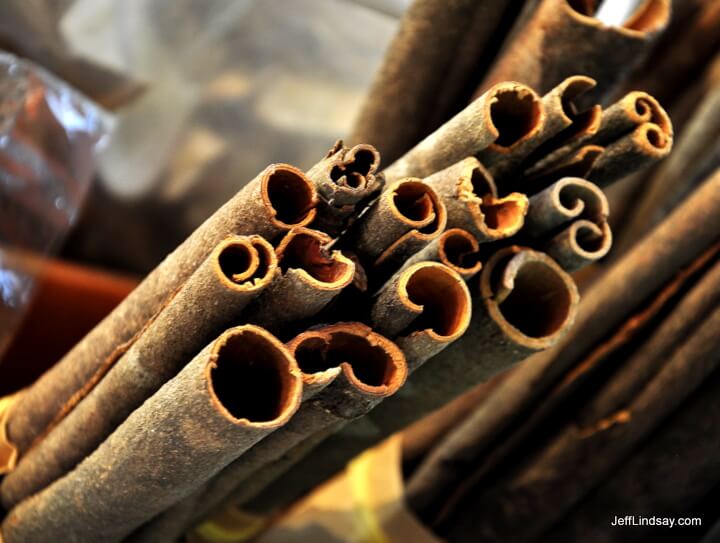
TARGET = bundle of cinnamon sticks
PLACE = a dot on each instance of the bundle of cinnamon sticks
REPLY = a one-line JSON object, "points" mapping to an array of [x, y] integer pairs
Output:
{"points": [[318, 313]]}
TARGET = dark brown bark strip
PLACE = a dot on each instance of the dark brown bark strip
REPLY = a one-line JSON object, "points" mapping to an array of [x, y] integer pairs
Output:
{"points": [[522, 508], [468, 191], [347, 369], [236, 272], [652, 263], [502, 119], [563, 38], [277, 199], [240, 388]]}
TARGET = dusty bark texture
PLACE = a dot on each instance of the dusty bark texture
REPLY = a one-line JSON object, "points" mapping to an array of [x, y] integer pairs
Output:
{"points": [[470, 196], [465, 454], [677, 242], [346, 369], [237, 390], [456, 248], [570, 220], [237, 271], [696, 150], [563, 38], [522, 508], [346, 179], [504, 117], [277, 199], [434, 304], [311, 276], [408, 215]]}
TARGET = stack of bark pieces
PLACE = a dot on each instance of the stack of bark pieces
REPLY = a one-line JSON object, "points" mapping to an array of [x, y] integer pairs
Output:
{"points": [[280, 334], [184, 395]]}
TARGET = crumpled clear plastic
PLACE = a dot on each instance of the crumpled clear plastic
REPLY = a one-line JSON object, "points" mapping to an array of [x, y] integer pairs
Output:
{"points": [[49, 135]]}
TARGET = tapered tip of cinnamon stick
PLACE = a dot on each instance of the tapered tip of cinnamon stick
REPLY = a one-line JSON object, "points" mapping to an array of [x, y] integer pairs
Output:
{"points": [[306, 250], [459, 250], [529, 296], [373, 364], [253, 378], [245, 263], [289, 195], [441, 298], [516, 113]]}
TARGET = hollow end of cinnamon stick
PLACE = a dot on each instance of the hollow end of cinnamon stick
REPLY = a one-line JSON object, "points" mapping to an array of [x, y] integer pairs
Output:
{"points": [[650, 17], [416, 204], [516, 113], [253, 379], [641, 107], [290, 196], [529, 295], [245, 263], [359, 163], [441, 299], [373, 364], [459, 250], [306, 250], [581, 121], [652, 141]]}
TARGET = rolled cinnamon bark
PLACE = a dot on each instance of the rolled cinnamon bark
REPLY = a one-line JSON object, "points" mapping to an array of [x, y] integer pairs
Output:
{"points": [[237, 390], [345, 179], [468, 191], [347, 369], [562, 118], [680, 173], [571, 216], [675, 469], [466, 451], [597, 445], [563, 38], [407, 216], [236, 272], [556, 166], [277, 199], [456, 248], [649, 265], [502, 119], [428, 306], [311, 276]]}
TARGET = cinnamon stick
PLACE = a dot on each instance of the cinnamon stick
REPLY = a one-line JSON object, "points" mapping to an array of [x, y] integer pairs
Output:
{"points": [[237, 390], [277, 199], [427, 307], [502, 119], [673, 245], [456, 248], [346, 369], [597, 445], [564, 37], [345, 179], [236, 272], [311, 276], [563, 118], [470, 196], [406, 217], [572, 213]]}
